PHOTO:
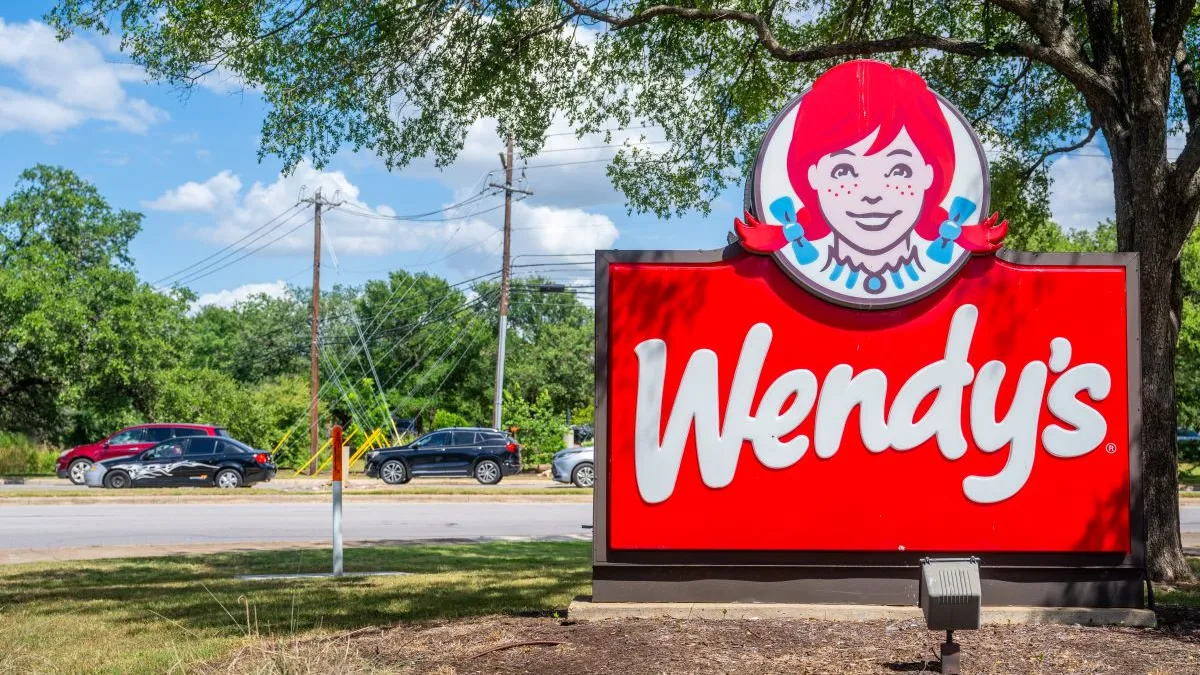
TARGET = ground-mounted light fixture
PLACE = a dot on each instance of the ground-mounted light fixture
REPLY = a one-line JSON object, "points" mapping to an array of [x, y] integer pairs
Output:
{"points": [[950, 597]]}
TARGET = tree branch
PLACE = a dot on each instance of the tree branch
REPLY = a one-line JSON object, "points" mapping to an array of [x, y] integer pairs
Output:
{"points": [[1187, 85], [1061, 56], [1170, 20], [1056, 151], [1101, 35]]}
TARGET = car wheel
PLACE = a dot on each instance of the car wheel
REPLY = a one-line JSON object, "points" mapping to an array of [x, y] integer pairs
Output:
{"points": [[78, 469], [584, 475], [228, 478], [393, 472], [487, 472], [117, 480]]}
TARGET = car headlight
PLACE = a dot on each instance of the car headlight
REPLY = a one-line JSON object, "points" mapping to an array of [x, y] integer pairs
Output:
{"points": [[372, 455], [64, 453]]}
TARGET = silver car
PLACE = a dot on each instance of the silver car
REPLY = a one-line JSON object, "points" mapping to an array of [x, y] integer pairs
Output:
{"points": [[575, 465]]}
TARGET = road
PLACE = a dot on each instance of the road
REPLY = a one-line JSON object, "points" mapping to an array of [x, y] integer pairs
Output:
{"points": [[51, 526], [71, 526]]}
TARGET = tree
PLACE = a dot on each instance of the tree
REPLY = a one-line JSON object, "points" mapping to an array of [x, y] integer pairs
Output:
{"points": [[406, 79], [81, 335], [257, 339]]}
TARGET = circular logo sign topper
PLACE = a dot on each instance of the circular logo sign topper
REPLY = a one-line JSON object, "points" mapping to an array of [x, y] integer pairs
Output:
{"points": [[869, 189]]}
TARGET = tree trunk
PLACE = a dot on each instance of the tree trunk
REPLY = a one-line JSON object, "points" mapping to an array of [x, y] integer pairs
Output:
{"points": [[1160, 470], [1149, 222]]}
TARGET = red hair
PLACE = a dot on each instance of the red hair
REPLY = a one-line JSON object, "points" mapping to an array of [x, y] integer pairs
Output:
{"points": [[847, 104]]}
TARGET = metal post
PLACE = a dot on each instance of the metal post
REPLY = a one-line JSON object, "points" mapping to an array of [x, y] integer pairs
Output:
{"points": [[339, 468]]}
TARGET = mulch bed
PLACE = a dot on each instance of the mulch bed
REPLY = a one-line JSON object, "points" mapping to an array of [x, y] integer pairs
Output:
{"points": [[635, 646]]}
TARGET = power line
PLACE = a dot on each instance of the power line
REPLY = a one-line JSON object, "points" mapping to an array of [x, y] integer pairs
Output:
{"points": [[603, 131], [599, 147], [203, 273], [176, 273], [422, 217]]}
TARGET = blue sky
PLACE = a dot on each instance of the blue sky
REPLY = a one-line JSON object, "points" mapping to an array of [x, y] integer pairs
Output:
{"points": [[189, 163]]}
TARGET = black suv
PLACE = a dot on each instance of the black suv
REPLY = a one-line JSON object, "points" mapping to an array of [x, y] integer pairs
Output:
{"points": [[486, 454]]}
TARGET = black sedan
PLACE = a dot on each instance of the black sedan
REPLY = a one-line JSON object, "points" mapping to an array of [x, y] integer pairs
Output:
{"points": [[198, 460], [486, 454]]}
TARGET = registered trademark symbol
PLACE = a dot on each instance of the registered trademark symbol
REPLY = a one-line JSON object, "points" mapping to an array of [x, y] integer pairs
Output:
{"points": [[1111, 448]]}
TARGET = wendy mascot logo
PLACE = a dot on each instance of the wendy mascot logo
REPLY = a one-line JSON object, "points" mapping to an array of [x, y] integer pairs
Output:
{"points": [[868, 188]]}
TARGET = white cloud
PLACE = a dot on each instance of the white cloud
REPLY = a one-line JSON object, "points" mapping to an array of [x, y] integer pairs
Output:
{"points": [[1081, 195], [65, 84], [548, 229], [233, 296], [219, 191], [469, 236]]}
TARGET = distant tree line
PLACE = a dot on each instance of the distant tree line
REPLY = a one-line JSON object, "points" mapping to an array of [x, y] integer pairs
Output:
{"points": [[86, 347]]}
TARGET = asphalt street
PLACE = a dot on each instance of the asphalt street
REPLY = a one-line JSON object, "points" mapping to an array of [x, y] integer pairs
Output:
{"points": [[43, 526], [46, 526]]}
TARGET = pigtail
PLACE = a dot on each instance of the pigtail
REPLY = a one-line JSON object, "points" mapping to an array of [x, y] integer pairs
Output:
{"points": [[930, 222]]}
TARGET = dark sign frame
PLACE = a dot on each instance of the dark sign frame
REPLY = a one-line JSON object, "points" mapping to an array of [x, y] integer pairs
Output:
{"points": [[849, 577]]}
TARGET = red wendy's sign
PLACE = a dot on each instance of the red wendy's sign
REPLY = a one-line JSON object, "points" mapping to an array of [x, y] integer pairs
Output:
{"points": [[863, 380]]}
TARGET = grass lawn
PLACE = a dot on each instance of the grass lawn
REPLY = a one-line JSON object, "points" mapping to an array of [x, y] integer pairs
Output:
{"points": [[156, 615], [152, 615]]}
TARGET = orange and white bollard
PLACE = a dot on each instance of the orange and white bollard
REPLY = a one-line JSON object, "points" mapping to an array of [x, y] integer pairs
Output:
{"points": [[339, 469]]}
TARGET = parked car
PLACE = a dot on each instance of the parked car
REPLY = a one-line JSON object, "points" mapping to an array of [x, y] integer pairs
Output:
{"points": [[75, 462], [486, 454], [575, 465], [195, 460]]}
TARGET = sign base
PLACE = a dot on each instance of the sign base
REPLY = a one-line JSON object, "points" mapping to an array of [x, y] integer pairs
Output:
{"points": [[586, 609], [1025, 586]]}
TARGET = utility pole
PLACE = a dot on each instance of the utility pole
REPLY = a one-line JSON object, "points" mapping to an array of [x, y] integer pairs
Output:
{"points": [[318, 201], [506, 160]]}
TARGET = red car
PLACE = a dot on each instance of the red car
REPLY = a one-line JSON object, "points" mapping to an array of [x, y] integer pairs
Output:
{"points": [[74, 463]]}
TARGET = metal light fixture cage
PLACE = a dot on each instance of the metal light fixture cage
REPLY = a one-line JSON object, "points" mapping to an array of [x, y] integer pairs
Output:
{"points": [[951, 598]]}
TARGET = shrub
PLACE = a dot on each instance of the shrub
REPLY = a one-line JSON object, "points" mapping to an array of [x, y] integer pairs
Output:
{"points": [[445, 418], [20, 456], [540, 428]]}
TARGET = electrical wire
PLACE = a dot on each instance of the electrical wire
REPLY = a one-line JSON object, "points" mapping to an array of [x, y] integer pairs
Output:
{"points": [[289, 212], [200, 274]]}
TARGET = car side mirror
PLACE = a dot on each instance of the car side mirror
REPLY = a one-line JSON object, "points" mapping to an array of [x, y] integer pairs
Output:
{"points": [[105, 445]]}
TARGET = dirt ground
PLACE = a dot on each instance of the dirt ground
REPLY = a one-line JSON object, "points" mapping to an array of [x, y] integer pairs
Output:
{"points": [[636, 646]]}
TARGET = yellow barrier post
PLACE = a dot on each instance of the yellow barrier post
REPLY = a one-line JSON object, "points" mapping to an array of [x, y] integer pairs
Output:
{"points": [[314, 457]]}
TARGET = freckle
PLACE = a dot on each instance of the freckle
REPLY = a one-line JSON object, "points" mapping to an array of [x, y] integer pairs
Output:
{"points": [[842, 186], [909, 187], [911, 194], [856, 185], [835, 194], [888, 185]]}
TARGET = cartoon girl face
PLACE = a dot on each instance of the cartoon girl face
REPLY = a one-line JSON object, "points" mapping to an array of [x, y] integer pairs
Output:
{"points": [[872, 200], [859, 190]]}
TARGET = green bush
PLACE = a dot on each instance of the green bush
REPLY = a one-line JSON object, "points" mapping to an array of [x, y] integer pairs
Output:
{"points": [[445, 418], [1189, 461], [539, 427], [19, 456]]}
